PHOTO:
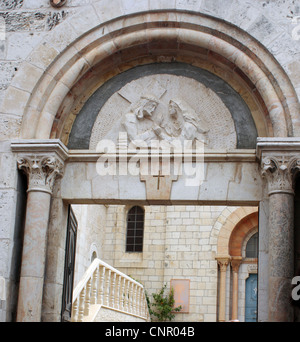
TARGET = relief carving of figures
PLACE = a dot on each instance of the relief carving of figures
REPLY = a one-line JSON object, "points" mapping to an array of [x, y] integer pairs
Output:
{"points": [[165, 108], [179, 122], [183, 122], [138, 123]]}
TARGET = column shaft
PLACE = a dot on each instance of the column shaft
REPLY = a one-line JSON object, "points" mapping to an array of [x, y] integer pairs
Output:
{"points": [[235, 263], [33, 257], [223, 263], [281, 256], [42, 170], [280, 171]]}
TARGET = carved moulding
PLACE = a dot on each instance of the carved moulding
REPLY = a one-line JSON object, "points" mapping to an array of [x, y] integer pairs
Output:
{"points": [[223, 262], [280, 172], [41, 171], [235, 263], [42, 161]]}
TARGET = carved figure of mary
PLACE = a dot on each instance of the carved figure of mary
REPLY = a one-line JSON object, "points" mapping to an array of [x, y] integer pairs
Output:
{"points": [[183, 123]]}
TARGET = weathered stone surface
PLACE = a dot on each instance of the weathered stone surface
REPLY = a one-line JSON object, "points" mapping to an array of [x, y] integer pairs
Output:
{"points": [[202, 90], [221, 185], [9, 126], [32, 20], [7, 198], [7, 72], [11, 4]]}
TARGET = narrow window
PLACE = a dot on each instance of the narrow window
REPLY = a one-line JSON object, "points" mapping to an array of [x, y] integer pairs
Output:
{"points": [[252, 247], [135, 230]]}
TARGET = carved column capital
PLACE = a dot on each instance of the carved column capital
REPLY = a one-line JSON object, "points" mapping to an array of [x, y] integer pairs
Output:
{"points": [[280, 171], [223, 262], [41, 171], [235, 263]]}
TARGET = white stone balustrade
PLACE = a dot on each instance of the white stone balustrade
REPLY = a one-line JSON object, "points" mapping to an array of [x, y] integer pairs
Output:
{"points": [[109, 288]]}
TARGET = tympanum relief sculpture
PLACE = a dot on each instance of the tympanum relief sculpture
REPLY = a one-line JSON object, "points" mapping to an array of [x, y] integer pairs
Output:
{"points": [[166, 107]]}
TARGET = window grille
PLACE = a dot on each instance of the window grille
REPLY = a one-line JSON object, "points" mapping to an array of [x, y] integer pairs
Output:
{"points": [[135, 229]]}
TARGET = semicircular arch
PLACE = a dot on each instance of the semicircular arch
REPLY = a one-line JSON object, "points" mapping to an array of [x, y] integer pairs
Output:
{"points": [[100, 54], [238, 225]]}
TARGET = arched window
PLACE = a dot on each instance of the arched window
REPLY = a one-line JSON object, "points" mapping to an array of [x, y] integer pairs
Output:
{"points": [[135, 229], [252, 247], [94, 256]]}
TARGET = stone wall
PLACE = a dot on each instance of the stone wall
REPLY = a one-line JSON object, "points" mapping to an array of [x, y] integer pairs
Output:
{"points": [[90, 231], [180, 242]]}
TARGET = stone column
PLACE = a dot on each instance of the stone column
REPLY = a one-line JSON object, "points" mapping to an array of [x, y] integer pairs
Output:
{"points": [[235, 264], [223, 263], [279, 171], [41, 172]]}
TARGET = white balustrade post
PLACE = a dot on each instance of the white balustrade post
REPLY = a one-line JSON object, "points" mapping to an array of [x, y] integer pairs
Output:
{"points": [[101, 284], [81, 305], [117, 297], [113, 288], [134, 297], [123, 294], [75, 310], [88, 297], [131, 298], [138, 301], [127, 296], [94, 286], [108, 274]]}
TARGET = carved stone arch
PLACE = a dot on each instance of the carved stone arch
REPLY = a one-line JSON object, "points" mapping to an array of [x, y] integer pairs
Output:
{"points": [[240, 233], [115, 46], [236, 227]]}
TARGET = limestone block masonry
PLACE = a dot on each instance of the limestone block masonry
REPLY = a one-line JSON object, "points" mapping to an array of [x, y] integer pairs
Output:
{"points": [[243, 58]]}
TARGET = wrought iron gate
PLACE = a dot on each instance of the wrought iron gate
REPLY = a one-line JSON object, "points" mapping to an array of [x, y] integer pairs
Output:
{"points": [[69, 266]]}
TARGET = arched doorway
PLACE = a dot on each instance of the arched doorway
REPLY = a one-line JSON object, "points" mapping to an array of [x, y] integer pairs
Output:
{"points": [[237, 247], [251, 298]]}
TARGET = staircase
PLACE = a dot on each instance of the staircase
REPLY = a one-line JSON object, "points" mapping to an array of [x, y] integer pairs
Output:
{"points": [[104, 294]]}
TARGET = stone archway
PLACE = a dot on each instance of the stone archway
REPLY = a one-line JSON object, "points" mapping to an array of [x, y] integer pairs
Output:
{"points": [[54, 96], [88, 63]]}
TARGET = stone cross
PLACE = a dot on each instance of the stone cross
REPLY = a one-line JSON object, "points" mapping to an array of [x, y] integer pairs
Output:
{"points": [[159, 176], [158, 185]]}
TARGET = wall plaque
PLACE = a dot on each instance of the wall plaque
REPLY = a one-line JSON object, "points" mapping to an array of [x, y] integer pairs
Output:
{"points": [[181, 293]]}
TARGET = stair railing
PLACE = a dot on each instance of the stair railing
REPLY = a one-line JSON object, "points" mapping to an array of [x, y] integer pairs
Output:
{"points": [[110, 288]]}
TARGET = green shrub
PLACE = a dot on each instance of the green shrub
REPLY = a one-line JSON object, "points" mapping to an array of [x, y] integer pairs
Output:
{"points": [[162, 307]]}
